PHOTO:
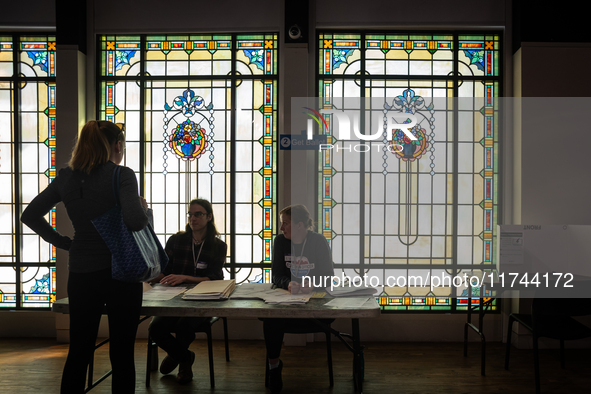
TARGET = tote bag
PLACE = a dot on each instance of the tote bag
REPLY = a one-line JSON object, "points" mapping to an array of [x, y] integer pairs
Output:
{"points": [[137, 256]]}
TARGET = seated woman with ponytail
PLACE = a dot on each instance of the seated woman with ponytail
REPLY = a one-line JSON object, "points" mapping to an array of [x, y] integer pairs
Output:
{"points": [[298, 252]]}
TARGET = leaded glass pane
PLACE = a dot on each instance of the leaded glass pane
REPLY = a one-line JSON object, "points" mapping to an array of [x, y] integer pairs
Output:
{"points": [[27, 166], [479, 55], [189, 82], [435, 208]]}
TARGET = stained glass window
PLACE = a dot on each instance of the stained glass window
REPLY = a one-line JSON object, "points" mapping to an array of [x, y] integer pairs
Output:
{"points": [[429, 209], [200, 113], [27, 165]]}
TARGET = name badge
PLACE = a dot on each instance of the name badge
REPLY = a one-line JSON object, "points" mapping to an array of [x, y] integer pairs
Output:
{"points": [[201, 265]]}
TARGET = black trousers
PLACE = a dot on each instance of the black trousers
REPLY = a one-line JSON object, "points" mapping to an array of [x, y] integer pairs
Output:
{"points": [[88, 294], [162, 327], [274, 330]]}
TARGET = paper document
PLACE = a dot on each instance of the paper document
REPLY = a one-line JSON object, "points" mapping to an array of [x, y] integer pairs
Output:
{"points": [[264, 291], [348, 302], [511, 248], [351, 291], [161, 293], [281, 296], [252, 291]]}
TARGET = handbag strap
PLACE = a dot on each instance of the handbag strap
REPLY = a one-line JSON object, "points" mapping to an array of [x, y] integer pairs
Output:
{"points": [[116, 184]]}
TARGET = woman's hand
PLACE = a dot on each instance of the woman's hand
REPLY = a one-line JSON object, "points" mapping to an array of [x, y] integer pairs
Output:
{"points": [[143, 202], [297, 288], [173, 280]]}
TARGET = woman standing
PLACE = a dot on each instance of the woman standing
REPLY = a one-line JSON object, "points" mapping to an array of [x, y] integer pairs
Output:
{"points": [[195, 255], [86, 189]]}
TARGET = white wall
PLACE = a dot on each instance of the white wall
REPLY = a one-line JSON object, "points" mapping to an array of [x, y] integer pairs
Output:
{"points": [[551, 141], [555, 164]]}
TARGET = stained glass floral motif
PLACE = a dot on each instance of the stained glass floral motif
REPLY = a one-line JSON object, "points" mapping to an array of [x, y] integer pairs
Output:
{"points": [[256, 57], [123, 58], [188, 103], [406, 149], [408, 101], [39, 59], [339, 56], [402, 145], [476, 57], [41, 286], [189, 140]]}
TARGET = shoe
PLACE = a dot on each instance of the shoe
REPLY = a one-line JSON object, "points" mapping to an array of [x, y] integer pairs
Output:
{"points": [[168, 365], [275, 381], [185, 374]]}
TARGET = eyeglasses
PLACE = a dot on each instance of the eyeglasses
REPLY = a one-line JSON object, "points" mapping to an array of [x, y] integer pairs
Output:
{"points": [[196, 214]]}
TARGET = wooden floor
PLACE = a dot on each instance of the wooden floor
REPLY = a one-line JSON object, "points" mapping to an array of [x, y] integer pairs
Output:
{"points": [[35, 365]]}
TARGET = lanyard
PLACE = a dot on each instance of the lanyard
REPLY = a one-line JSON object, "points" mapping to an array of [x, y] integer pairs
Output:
{"points": [[199, 254], [302, 253]]}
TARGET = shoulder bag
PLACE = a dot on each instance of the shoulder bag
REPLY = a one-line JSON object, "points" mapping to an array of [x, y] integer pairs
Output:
{"points": [[137, 256]]}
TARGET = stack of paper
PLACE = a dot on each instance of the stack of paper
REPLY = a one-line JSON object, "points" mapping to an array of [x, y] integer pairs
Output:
{"points": [[211, 290], [351, 291]]}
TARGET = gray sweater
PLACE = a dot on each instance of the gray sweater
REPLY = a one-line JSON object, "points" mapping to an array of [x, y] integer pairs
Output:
{"points": [[86, 196]]}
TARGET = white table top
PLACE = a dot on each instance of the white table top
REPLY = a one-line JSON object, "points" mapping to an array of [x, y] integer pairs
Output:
{"points": [[315, 308]]}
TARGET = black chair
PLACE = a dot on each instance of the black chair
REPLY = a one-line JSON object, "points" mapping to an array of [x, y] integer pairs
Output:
{"points": [[551, 318], [152, 359], [326, 329]]}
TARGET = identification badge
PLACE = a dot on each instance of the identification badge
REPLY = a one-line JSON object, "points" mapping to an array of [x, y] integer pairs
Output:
{"points": [[201, 265]]}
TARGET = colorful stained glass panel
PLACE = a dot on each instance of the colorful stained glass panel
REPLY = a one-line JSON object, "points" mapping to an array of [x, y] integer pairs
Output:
{"points": [[435, 204], [185, 140], [27, 166]]}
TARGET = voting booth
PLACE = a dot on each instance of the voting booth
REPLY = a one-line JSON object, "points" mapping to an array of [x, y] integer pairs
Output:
{"points": [[545, 256], [544, 248]]}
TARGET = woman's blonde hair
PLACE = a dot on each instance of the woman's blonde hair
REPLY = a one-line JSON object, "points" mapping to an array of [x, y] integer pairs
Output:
{"points": [[93, 147]]}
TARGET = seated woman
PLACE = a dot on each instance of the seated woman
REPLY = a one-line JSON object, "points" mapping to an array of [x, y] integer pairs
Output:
{"points": [[195, 255], [298, 252]]}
